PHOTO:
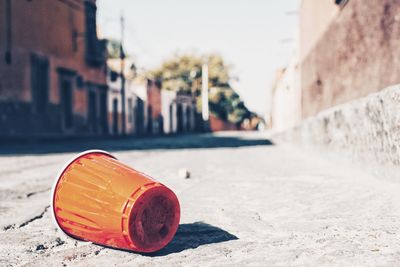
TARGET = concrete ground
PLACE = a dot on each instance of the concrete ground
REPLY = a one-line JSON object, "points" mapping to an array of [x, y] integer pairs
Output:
{"points": [[247, 202]]}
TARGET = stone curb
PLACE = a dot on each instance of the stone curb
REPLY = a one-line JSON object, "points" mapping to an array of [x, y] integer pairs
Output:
{"points": [[366, 129]]}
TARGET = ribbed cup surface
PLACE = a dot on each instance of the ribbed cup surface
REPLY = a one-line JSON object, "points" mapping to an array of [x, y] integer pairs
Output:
{"points": [[99, 199]]}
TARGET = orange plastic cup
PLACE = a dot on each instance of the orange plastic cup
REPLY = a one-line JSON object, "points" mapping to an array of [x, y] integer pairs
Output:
{"points": [[97, 198]]}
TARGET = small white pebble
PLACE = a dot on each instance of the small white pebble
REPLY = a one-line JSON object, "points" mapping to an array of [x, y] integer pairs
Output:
{"points": [[184, 173]]}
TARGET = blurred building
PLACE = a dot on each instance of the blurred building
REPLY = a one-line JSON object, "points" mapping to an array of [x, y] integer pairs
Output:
{"points": [[178, 112], [185, 113], [115, 104], [154, 115], [140, 114], [135, 99], [286, 97], [217, 124], [150, 109], [169, 111], [348, 49], [52, 69]]}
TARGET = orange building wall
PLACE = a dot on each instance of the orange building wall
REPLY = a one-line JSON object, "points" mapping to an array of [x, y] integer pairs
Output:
{"points": [[46, 28], [154, 99], [217, 125], [315, 18], [357, 54]]}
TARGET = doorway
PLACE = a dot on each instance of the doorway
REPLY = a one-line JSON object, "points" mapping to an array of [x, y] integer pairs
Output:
{"points": [[103, 112], [66, 104], [179, 115], [39, 83], [115, 116], [92, 111]]}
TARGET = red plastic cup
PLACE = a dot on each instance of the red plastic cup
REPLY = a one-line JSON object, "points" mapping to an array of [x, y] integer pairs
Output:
{"points": [[99, 199]]}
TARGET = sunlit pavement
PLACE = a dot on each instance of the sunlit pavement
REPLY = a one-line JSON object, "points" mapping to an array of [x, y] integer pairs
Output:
{"points": [[247, 201]]}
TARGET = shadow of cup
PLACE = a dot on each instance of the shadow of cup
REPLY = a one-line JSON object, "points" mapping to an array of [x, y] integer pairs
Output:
{"points": [[194, 235]]}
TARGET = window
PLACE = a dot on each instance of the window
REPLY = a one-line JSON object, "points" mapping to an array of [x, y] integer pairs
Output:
{"points": [[113, 76], [115, 116], [94, 49], [66, 103], [103, 111], [8, 28], [341, 3], [92, 110], [39, 83], [66, 79], [130, 110]]}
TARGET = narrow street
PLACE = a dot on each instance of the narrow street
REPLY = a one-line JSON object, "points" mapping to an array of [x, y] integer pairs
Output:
{"points": [[247, 201]]}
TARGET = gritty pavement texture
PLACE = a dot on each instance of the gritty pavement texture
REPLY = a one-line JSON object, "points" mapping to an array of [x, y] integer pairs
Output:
{"points": [[247, 202]]}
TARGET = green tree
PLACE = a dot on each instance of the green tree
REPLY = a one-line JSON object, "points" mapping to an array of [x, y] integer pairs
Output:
{"points": [[113, 48], [183, 74]]}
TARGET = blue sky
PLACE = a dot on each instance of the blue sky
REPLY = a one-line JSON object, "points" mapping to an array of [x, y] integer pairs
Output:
{"points": [[254, 36]]}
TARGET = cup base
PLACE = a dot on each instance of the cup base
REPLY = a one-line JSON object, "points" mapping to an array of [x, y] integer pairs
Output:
{"points": [[154, 219]]}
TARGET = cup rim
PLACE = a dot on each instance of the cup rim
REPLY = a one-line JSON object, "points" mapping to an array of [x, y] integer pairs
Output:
{"points": [[57, 179]]}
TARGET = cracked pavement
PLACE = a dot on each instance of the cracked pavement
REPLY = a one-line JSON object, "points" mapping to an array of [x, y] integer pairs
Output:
{"points": [[247, 202]]}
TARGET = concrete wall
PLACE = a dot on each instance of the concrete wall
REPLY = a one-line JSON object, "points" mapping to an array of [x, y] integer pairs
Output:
{"points": [[357, 54], [315, 18], [366, 129], [46, 29]]}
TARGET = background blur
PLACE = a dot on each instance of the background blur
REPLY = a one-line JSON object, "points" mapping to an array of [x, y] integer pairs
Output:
{"points": [[73, 68]]}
